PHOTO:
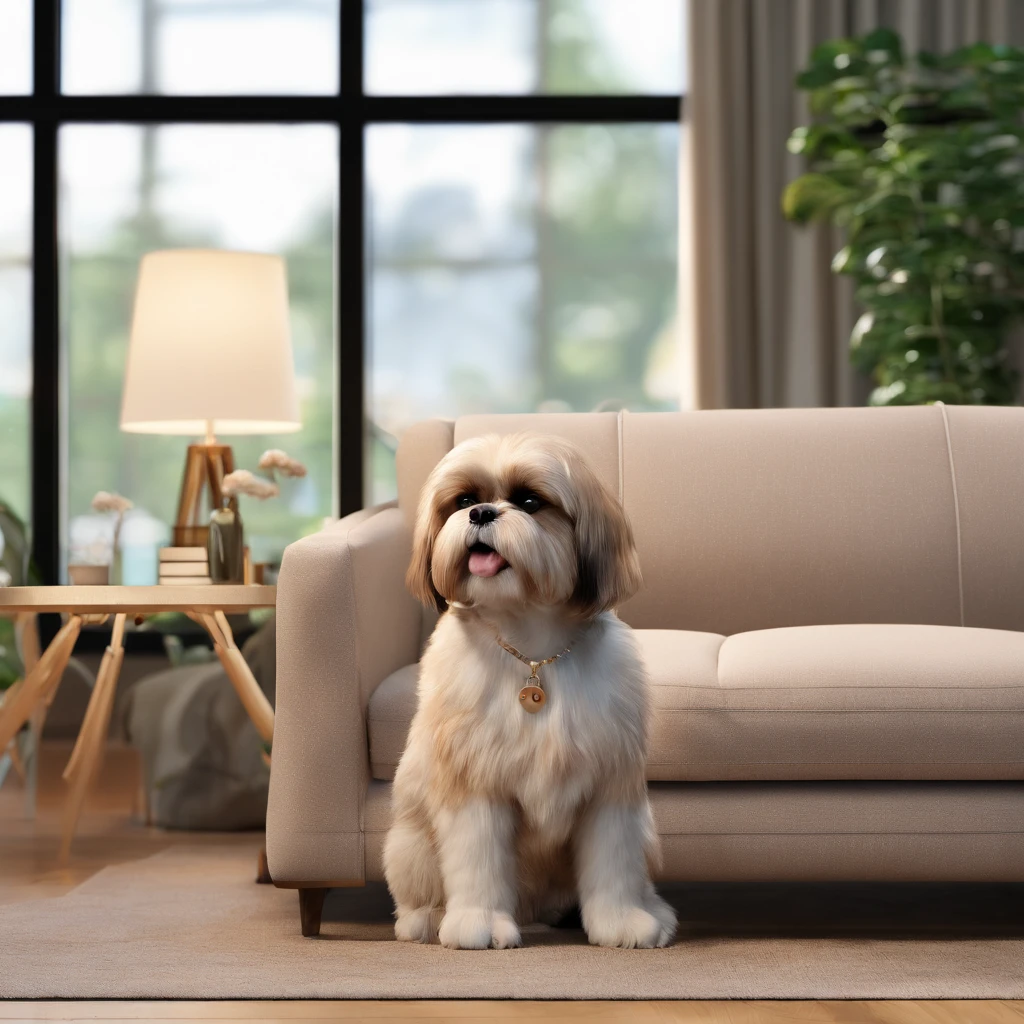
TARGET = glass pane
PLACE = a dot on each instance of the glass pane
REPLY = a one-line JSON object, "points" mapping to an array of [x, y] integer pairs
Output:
{"points": [[127, 190], [517, 268], [182, 47], [416, 47], [15, 317], [15, 47]]}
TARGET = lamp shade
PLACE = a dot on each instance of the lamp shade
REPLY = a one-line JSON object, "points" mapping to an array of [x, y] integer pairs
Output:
{"points": [[210, 346]]}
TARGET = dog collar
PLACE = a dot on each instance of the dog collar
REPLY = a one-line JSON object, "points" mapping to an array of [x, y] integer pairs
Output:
{"points": [[532, 696]]}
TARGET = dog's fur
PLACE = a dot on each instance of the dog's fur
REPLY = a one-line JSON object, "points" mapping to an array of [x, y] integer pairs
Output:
{"points": [[501, 815]]}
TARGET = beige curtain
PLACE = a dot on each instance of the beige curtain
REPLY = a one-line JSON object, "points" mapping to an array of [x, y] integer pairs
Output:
{"points": [[770, 322]]}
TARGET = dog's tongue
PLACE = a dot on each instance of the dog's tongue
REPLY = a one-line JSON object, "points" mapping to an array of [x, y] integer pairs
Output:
{"points": [[486, 563]]}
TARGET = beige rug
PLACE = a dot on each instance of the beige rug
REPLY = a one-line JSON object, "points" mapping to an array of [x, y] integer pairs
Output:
{"points": [[189, 923]]}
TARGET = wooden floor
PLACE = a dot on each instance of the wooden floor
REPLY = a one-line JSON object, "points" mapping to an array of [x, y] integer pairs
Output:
{"points": [[111, 833]]}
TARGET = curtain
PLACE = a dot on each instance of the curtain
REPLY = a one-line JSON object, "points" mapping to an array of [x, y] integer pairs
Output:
{"points": [[770, 323]]}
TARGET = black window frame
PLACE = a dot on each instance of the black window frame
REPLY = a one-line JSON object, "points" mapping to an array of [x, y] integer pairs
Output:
{"points": [[351, 110]]}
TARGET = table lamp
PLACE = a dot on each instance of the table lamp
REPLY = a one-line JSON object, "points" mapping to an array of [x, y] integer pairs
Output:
{"points": [[210, 354]]}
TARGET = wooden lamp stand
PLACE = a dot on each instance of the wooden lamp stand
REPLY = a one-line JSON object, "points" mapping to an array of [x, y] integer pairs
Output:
{"points": [[205, 465]]}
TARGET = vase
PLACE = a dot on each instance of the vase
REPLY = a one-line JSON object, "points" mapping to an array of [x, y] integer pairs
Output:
{"points": [[225, 549]]}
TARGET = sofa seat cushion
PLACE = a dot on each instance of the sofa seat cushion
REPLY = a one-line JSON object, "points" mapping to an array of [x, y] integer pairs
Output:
{"points": [[843, 702], [675, 656], [807, 703]]}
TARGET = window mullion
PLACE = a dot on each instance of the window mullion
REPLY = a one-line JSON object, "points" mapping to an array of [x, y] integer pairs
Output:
{"points": [[351, 282], [46, 356]]}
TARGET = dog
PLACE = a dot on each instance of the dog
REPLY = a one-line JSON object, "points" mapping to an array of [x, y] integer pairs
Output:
{"points": [[522, 787]]}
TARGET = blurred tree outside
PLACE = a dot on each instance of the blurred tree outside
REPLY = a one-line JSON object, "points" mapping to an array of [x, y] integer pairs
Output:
{"points": [[603, 218], [15, 316]]}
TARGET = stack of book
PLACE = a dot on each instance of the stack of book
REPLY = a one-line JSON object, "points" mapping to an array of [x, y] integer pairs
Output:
{"points": [[184, 567]]}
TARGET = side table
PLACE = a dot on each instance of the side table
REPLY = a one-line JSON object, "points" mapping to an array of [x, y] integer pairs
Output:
{"points": [[207, 605]]}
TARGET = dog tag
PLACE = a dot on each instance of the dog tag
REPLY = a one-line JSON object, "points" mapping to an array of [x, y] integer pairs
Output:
{"points": [[532, 698]]}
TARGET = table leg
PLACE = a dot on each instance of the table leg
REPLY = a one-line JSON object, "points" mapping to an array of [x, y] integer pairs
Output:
{"points": [[253, 698], [40, 683], [27, 626], [83, 768], [94, 710]]}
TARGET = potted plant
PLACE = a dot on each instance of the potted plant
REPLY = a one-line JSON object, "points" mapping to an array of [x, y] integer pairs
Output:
{"points": [[921, 161]]}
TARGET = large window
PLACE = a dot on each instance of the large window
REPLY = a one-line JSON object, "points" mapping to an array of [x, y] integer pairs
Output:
{"points": [[15, 316], [476, 200], [129, 189]]}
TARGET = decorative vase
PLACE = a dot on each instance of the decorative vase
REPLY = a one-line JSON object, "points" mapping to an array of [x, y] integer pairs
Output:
{"points": [[225, 548], [89, 575]]}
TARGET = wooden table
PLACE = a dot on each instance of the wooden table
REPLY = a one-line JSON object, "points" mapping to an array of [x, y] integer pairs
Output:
{"points": [[207, 605]]}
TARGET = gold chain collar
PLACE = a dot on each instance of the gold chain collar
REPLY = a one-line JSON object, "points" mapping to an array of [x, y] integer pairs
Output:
{"points": [[532, 696]]}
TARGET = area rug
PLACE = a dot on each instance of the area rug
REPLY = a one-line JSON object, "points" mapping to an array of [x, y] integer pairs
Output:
{"points": [[189, 923]]}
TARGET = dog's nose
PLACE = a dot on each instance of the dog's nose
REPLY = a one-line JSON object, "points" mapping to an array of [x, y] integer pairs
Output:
{"points": [[481, 514]]}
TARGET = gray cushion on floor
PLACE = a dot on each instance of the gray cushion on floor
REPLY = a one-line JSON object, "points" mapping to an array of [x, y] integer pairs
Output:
{"points": [[201, 755]]}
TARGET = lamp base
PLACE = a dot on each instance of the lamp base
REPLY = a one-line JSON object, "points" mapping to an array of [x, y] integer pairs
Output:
{"points": [[206, 465], [190, 536]]}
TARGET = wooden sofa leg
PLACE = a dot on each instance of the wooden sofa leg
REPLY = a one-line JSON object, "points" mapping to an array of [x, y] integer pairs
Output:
{"points": [[263, 868], [311, 908]]}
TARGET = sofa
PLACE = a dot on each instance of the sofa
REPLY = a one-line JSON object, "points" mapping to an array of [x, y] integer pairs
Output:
{"points": [[832, 619]]}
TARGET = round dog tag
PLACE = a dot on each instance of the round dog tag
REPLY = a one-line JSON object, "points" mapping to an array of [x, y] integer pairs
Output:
{"points": [[532, 698]]}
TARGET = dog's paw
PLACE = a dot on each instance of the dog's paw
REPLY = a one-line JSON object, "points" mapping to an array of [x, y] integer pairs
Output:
{"points": [[477, 928], [417, 924], [627, 927], [665, 915]]}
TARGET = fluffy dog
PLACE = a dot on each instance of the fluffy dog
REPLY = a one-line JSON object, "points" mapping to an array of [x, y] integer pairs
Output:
{"points": [[522, 786]]}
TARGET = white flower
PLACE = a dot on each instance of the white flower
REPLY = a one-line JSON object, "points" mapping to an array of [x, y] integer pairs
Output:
{"points": [[111, 502], [5, 578], [243, 482], [274, 458]]}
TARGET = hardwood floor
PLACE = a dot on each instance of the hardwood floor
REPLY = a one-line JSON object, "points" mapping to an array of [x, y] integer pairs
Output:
{"points": [[110, 833]]}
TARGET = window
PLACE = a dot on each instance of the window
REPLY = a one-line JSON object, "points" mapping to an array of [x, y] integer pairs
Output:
{"points": [[200, 47], [16, 47], [476, 200], [15, 316], [130, 189], [493, 47], [518, 268]]}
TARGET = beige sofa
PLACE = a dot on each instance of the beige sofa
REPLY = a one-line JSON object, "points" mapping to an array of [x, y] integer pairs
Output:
{"points": [[832, 617]]}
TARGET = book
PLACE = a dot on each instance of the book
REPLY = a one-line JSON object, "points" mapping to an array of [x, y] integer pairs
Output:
{"points": [[185, 581], [185, 568], [183, 555]]}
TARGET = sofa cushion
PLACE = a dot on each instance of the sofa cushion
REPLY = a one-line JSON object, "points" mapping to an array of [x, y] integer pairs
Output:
{"points": [[807, 702], [845, 702], [673, 656]]}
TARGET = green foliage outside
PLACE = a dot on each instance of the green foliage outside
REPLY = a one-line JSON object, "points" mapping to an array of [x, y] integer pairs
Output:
{"points": [[921, 161], [18, 570]]}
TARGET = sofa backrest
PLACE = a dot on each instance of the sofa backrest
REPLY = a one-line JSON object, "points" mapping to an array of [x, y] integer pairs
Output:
{"points": [[751, 519]]}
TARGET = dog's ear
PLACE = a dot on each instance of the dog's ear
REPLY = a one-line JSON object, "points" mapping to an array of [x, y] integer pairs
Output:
{"points": [[419, 578], [607, 565]]}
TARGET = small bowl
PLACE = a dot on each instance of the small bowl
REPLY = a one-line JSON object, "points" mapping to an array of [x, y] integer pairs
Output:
{"points": [[89, 575]]}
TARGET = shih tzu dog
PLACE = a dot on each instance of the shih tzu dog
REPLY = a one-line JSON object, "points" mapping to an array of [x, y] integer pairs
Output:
{"points": [[522, 785]]}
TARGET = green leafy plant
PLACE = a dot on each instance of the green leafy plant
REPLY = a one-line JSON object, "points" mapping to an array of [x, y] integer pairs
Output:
{"points": [[921, 161], [16, 569]]}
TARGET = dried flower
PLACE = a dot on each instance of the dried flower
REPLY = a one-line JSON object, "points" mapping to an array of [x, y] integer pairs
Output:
{"points": [[242, 481], [274, 458], [111, 502]]}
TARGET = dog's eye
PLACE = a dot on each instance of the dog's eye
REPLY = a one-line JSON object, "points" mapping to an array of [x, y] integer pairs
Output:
{"points": [[466, 501], [527, 501]]}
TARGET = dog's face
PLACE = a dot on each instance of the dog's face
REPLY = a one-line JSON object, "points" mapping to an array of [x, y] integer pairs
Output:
{"points": [[521, 520]]}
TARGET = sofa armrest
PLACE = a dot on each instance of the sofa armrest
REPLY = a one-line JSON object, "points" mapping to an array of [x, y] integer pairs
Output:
{"points": [[344, 622]]}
